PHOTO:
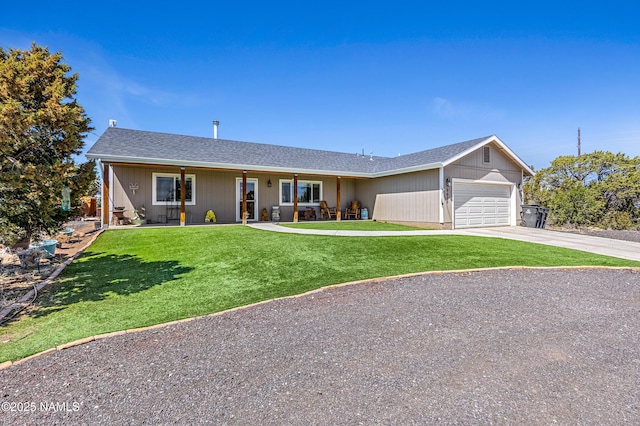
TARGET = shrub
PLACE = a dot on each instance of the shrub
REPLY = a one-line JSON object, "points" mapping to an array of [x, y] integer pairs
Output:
{"points": [[618, 220]]}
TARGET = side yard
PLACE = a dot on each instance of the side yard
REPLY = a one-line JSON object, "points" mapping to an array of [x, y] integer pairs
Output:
{"points": [[17, 283], [141, 277]]}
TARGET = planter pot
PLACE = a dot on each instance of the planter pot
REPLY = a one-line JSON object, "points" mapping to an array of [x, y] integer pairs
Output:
{"points": [[138, 221], [48, 247]]}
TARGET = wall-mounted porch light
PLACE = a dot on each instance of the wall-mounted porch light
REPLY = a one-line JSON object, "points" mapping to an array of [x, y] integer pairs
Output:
{"points": [[269, 183], [448, 181]]}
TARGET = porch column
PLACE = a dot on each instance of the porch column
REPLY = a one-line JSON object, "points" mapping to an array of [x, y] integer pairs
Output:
{"points": [[244, 197], [105, 196], [183, 192], [338, 209], [295, 197], [441, 194]]}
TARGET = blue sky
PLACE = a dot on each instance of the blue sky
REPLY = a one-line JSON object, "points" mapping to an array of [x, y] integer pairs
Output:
{"points": [[388, 77]]}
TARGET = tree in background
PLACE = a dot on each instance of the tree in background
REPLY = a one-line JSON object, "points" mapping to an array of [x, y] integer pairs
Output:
{"points": [[41, 127], [598, 189]]}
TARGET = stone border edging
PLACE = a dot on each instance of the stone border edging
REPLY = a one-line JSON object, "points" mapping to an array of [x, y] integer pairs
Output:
{"points": [[6, 311], [7, 364]]}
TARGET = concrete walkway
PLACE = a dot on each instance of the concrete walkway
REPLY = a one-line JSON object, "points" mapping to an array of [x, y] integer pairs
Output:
{"points": [[598, 245]]}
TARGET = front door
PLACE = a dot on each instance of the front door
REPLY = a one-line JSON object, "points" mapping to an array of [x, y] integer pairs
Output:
{"points": [[252, 198]]}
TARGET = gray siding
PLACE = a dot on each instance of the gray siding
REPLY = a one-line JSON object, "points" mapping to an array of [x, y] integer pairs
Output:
{"points": [[412, 197], [122, 196], [500, 169], [215, 190], [472, 167]]}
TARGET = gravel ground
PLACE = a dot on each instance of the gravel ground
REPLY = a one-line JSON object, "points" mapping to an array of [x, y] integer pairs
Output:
{"points": [[493, 347], [626, 235], [16, 282], [616, 235]]}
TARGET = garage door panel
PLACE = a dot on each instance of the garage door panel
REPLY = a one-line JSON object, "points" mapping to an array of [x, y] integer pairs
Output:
{"points": [[477, 205]]}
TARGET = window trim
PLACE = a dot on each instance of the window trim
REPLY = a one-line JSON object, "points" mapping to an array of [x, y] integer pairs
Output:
{"points": [[154, 200], [300, 181]]}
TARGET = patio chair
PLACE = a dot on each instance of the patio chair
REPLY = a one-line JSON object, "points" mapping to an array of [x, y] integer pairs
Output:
{"points": [[353, 211], [325, 210]]}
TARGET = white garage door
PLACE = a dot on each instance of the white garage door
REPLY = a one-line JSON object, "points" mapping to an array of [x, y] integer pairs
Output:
{"points": [[481, 205]]}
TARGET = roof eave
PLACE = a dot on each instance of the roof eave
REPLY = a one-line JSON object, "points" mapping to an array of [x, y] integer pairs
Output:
{"points": [[208, 165], [525, 168], [412, 169]]}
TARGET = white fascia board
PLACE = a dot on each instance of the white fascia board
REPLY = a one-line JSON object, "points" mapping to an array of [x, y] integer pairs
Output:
{"points": [[419, 168], [498, 142], [207, 165], [256, 168]]}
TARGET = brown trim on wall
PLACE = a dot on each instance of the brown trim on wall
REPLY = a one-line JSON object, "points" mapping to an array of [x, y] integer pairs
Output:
{"points": [[295, 197], [338, 209], [244, 198], [183, 192]]}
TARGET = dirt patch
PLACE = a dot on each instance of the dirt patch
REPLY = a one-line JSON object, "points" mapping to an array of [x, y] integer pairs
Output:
{"points": [[16, 282]]}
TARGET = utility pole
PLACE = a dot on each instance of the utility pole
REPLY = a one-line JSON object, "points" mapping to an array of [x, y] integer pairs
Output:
{"points": [[578, 142]]}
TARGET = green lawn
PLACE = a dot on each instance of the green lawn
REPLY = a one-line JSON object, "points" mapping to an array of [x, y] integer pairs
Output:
{"points": [[352, 225], [139, 277]]}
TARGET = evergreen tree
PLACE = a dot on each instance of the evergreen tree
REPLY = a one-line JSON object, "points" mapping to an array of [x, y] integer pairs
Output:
{"points": [[41, 127]]}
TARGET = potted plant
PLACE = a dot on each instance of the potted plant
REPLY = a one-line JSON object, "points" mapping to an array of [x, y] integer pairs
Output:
{"points": [[139, 216], [210, 216]]}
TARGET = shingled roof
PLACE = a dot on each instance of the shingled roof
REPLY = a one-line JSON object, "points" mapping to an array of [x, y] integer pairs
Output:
{"points": [[142, 147]]}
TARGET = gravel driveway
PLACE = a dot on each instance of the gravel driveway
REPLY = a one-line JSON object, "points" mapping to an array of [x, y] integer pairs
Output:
{"points": [[492, 347]]}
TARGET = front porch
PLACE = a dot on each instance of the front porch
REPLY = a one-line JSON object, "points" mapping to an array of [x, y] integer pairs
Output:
{"points": [[235, 196]]}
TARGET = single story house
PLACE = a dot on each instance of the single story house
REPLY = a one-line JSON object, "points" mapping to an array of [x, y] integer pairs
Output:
{"points": [[468, 184]]}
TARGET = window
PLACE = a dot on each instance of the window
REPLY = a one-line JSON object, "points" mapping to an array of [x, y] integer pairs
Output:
{"points": [[486, 155], [309, 192], [166, 189], [286, 194]]}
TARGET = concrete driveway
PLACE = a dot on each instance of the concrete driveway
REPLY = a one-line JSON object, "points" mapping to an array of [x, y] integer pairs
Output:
{"points": [[605, 246]]}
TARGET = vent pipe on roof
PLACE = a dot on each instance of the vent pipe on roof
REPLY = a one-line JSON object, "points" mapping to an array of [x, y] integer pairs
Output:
{"points": [[112, 123], [215, 129]]}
